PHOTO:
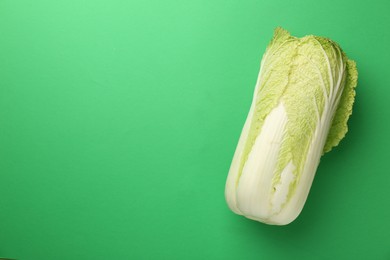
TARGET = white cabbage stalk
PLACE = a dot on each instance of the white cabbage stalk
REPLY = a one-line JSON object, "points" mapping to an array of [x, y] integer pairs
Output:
{"points": [[301, 104]]}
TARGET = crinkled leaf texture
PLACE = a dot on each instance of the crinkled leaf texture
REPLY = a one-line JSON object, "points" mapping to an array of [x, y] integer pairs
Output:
{"points": [[301, 104]]}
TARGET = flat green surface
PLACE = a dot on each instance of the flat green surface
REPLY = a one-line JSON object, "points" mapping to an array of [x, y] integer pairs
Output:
{"points": [[119, 119]]}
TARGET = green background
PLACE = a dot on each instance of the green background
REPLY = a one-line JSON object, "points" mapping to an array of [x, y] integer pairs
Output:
{"points": [[119, 120]]}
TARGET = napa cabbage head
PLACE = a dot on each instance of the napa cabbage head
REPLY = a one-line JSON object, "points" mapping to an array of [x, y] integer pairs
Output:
{"points": [[301, 104]]}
